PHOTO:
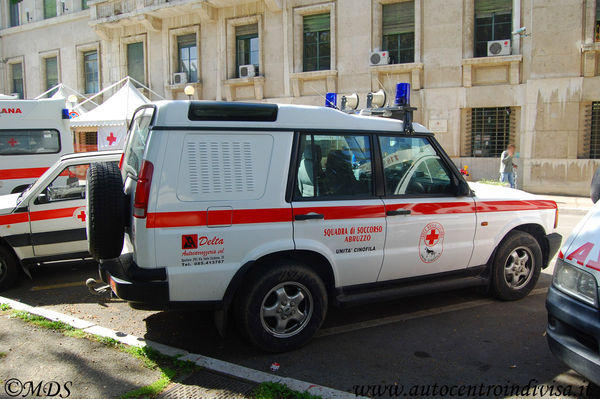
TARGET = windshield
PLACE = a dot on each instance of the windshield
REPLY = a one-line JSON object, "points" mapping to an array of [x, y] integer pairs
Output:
{"points": [[138, 137], [38, 181]]}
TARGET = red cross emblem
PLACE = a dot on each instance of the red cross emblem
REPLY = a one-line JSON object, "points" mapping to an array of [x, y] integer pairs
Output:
{"points": [[81, 216], [432, 237], [111, 138], [12, 142]]}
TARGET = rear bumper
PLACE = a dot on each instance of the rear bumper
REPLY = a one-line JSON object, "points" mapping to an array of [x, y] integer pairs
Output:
{"points": [[554, 240], [149, 287], [132, 283], [573, 333]]}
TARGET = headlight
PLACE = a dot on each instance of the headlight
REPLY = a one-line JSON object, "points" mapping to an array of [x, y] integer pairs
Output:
{"points": [[575, 282]]}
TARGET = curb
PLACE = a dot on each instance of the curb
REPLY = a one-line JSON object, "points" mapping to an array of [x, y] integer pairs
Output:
{"points": [[219, 366]]}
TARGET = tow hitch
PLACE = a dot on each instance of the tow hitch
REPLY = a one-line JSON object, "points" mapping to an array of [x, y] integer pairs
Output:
{"points": [[95, 289]]}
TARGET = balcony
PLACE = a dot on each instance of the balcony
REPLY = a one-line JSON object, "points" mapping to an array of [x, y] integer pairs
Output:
{"points": [[114, 14]]}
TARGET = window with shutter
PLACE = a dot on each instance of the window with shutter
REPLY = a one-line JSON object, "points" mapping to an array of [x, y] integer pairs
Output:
{"points": [[51, 64], [489, 131], [399, 31], [17, 79], [135, 61], [591, 142], [49, 9], [493, 21], [317, 38], [597, 28]]}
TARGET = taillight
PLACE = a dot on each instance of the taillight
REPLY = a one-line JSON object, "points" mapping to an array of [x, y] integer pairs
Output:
{"points": [[142, 190], [121, 160]]}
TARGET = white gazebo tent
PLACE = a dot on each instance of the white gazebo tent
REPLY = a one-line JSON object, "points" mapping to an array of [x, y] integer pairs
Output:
{"points": [[108, 121]]}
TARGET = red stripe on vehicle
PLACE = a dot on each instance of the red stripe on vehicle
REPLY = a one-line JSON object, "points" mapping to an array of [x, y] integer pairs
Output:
{"points": [[14, 218], [26, 173], [53, 214], [239, 216], [344, 212], [434, 208], [511, 206]]}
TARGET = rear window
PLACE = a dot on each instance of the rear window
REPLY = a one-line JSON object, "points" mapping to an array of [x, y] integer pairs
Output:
{"points": [[136, 142], [29, 141]]}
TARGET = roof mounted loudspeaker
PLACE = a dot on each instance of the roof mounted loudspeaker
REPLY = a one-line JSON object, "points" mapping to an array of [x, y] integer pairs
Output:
{"points": [[376, 99], [350, 102]]}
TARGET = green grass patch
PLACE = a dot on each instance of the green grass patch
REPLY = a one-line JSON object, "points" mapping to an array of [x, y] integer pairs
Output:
{"points": [[154, 389], [273, 390], [492, 182], [4, 307], [42, 321], [2, 354]]}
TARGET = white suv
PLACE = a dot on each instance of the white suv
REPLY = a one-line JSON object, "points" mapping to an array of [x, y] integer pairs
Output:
{"points": [[274, 211]]}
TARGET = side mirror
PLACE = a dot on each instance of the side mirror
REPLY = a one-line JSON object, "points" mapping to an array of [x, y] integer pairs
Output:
{"points": [[42, 199], [595, 188], [463, 189]]}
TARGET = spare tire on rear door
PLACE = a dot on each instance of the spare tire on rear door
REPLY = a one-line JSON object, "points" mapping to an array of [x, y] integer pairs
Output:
{"points": [[105, 207]]}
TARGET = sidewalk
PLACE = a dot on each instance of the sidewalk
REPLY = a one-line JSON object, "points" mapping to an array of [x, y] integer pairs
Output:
{"points": [[56, 355], [571, 205]]}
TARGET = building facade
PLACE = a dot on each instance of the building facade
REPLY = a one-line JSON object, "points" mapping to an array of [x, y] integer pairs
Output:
{"points": [[479, 80]]}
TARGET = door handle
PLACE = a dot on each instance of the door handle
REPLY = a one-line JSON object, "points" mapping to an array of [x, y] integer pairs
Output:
{"points": [[309, 216], [398, 212]]}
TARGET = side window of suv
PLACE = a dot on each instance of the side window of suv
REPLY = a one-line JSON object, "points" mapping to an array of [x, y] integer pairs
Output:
{"points": [[411, 166], [334, 166], [69, 185]]}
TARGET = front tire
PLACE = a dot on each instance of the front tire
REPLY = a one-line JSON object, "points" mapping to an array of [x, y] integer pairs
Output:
{"points": [[516, 267], [282, 307], [9, 268]]}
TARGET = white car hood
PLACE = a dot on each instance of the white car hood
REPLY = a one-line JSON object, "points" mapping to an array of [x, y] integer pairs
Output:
{"points": [[493, 192], [8, 203], [582, 248]]}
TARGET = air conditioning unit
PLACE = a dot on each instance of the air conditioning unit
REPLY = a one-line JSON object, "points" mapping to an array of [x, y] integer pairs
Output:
{"points": [[247, 71], [498, 47], [179, 78], [379, 58]]}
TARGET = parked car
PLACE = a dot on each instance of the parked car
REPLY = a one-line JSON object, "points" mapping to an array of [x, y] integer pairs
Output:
{"points": [[46, 222], [33, 136], [573, 331], [275, 211]]}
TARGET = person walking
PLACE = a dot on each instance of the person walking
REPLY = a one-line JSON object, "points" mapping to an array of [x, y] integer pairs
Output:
{"points": [[507, 165]]}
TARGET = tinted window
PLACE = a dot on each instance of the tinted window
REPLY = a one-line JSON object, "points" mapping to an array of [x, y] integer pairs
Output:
{"points": [[138, 137], [334, 166], [21, 142], [411, 166]]}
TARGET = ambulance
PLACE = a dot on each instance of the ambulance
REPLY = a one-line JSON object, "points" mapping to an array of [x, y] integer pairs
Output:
{"points": [[33, 135], [573, 304], [46, 222], [273, 212]]}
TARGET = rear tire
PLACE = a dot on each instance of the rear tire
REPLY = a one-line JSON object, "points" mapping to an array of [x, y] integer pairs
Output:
{"points": [[516, 267], [105, 206], [9, 268], [281, 307]]}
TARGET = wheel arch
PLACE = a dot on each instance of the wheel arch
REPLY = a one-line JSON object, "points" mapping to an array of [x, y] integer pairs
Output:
{"points": [[314, 260], [535, 230]]}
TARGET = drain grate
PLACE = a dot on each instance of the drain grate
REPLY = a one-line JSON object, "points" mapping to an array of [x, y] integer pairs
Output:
{"points": [[204, 384]]}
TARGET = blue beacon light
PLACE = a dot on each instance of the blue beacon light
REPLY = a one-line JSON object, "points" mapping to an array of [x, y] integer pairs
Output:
{"points": [[402, 95], [331, 100]]}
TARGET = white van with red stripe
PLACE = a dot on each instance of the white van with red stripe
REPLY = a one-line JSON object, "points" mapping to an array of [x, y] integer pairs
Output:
{"points": [[33, 136], [46, 222], [275, 211]]}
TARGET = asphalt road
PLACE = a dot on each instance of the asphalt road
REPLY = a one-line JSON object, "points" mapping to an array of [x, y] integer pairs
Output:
{"points": [[454, 338]]}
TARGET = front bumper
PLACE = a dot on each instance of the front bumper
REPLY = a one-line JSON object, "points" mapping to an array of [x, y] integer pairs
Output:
{"points": [[554, 240], [573, 333], [132, 283]]}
